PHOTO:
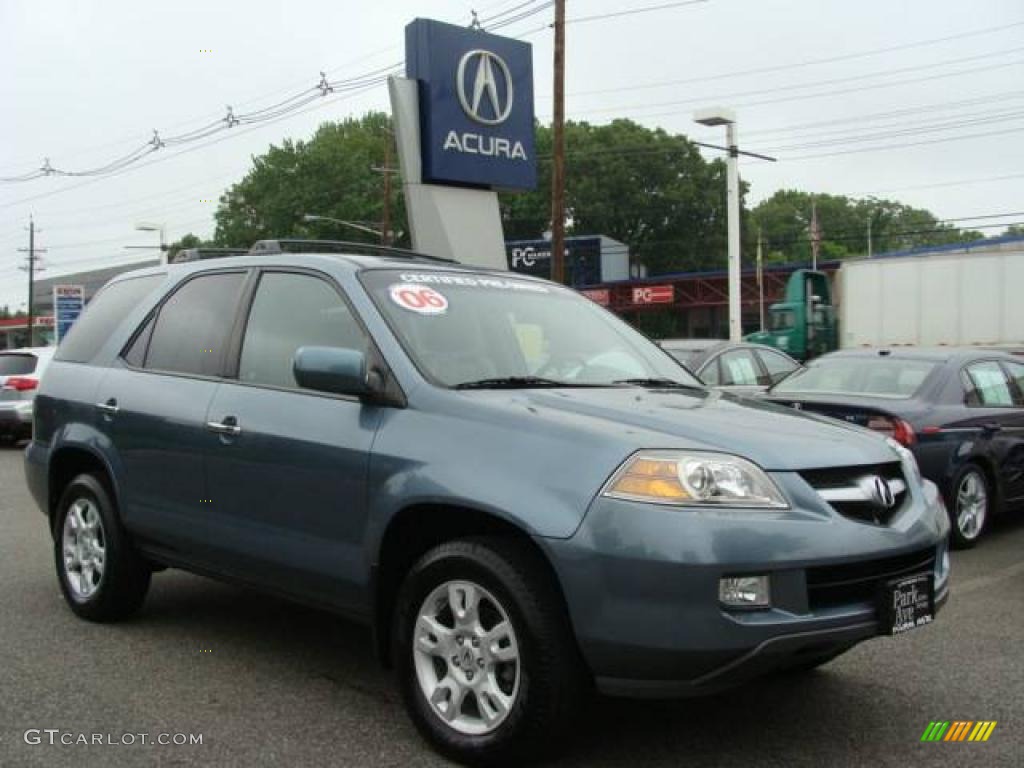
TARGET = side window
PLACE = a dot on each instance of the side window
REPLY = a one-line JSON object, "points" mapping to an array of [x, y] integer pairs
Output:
{"points": [[778, 367], [194, 324], [101, 318], [1016, 371], [292, 311], [135, 355], [987, 385], [710, 374], [739, 368]]}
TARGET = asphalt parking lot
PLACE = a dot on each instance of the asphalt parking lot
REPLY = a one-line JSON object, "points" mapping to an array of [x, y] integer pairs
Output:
{"points": [[268, 683]]}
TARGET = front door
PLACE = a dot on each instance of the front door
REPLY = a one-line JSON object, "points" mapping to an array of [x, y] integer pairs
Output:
{"points": [[288, 473]]}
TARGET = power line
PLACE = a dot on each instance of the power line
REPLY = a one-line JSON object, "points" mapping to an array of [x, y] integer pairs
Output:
{"points": [[730, 97], [801, 64], [633, 11]]}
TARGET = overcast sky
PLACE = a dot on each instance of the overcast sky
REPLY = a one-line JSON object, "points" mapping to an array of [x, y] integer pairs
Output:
{"points": [[814, 82]]}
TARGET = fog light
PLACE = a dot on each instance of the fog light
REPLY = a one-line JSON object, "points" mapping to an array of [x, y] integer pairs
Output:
{"points": [[744, 592]]}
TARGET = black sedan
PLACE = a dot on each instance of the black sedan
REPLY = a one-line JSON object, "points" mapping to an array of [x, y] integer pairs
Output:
{"points": [[960, 411], [747, 368]]}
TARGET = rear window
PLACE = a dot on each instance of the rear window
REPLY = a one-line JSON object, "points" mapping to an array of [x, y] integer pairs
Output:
{"points": [[868, 377], [16, 364], [102, 316]]}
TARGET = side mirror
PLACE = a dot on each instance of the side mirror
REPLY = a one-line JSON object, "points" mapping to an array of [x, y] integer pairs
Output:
{"points": [[335, 369]]}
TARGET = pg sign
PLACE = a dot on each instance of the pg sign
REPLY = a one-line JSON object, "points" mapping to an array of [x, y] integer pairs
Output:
{"points": [[476, 106]]}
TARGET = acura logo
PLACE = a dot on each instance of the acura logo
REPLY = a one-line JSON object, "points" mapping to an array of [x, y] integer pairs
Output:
{"points": [[883, 493], [482, 67]]}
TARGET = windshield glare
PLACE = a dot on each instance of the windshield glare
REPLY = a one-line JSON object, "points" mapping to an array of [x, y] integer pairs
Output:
{"points": [[871, 377], [460, 328]]}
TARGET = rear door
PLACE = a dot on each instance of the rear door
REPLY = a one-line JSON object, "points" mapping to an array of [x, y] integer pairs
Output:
{"points": [[154, 404], [288, 470], [996, 411]]}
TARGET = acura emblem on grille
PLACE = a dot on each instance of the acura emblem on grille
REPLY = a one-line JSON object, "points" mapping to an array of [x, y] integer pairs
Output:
{"points": [[883, 493]]}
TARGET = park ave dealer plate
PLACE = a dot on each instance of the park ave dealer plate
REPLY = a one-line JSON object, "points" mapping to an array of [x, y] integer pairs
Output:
{"points": [[907, 604]]}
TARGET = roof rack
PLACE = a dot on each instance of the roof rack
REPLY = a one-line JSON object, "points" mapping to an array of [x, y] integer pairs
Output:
{"points": [[339, 246], [198, 254]]}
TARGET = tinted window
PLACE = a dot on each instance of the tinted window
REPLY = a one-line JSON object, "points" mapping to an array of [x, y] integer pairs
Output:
{"points": [[101, 317], [778, 366], [987, 385], [1016, 371], [135, 355], [739, 368], [869, 376], [16, 365], [292, 311], [194, 324]]}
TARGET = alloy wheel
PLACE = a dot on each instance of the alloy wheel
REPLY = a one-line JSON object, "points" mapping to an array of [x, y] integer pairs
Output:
{"points": [[971, 505], [83, 548], [466, 656]]}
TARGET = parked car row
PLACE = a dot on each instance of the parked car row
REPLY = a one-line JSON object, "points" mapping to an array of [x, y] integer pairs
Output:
{"points": [[523, 496]]}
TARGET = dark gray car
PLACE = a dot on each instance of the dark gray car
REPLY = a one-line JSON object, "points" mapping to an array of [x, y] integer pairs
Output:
{"points": [[520, 494]]}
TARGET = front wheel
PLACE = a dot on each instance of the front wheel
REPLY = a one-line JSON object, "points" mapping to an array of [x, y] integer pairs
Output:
{"points": [[969, 506], [487, 665]]}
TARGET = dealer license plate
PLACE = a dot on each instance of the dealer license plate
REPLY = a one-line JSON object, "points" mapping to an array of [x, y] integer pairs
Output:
{"points": [[907, 604]]}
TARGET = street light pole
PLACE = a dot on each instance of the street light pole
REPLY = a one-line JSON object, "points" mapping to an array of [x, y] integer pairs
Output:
{"points": [[714, 117], [148, 227]]}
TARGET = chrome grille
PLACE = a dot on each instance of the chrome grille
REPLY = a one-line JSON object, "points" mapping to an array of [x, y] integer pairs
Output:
{"points": [[869, 494]]}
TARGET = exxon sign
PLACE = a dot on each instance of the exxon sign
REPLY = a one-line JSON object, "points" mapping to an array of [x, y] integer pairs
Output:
{"points": [[476, 106]]}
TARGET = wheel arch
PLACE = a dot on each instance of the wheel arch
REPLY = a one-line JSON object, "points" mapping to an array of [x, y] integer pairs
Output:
{"points": [[69, 461], [420, 527]]}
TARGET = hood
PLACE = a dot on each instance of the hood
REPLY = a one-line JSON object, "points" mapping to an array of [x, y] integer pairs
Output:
{"points": [[772, 436]]}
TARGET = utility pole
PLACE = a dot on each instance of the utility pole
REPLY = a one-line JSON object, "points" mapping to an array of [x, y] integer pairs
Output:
{"points": [[31, 269], [385, 230], [869, 235], [558, 151], [760, 277]]}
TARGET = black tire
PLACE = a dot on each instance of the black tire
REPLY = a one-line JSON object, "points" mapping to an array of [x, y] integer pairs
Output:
{"points": [[551, 683], [961, 536], [120, 589]]}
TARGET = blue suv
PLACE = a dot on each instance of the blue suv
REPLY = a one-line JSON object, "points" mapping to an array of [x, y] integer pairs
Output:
{"points": [[523, 496]]}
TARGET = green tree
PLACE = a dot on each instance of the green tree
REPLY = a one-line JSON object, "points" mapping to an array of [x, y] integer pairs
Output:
{"points": [[645, 187], [187, 241], [784, 220], [1014, 230], [329, 175]]}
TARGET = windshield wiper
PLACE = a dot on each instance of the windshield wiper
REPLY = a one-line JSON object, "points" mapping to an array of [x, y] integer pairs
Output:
{"points": [[514, 382], [658, 384]]}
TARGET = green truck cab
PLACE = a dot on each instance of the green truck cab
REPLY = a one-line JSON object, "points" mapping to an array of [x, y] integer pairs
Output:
{"points": [[804, 325]]}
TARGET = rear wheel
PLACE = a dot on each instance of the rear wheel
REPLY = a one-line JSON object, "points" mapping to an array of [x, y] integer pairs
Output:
{"points": [[487, 665], [970, 506], [101, 576]]}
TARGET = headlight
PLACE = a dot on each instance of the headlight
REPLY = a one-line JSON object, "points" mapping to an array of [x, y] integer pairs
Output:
{"points": [[694, 478], [910, 468]]}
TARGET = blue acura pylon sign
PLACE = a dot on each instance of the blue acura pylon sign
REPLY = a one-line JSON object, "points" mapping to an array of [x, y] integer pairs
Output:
{"points": [[476, 105]]}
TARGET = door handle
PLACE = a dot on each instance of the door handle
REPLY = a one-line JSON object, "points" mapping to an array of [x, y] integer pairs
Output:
{"points": [[991, 429], [229, 426], [108, 408]]}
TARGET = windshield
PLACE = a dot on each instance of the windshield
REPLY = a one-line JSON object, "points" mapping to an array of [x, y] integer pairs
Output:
{"points": [[462, 328], [871, 377]]}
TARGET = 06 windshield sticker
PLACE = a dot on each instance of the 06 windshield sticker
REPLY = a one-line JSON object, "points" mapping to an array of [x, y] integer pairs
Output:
{"points": [[421, 299], [465, 281]]}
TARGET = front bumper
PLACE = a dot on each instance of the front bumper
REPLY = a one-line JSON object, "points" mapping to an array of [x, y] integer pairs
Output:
{"points": [[642, 581]]}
